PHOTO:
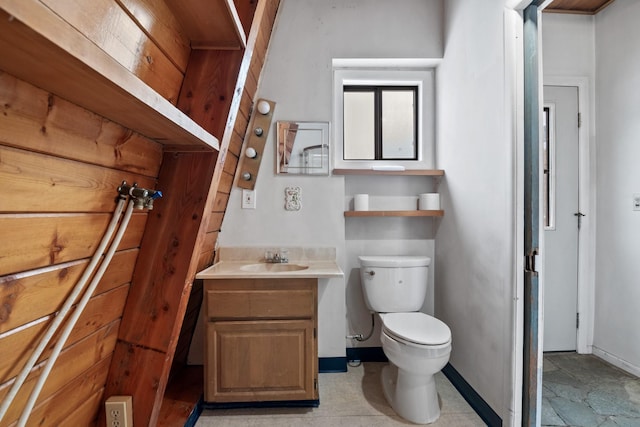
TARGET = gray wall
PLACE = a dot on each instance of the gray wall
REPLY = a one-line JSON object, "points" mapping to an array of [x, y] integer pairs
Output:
{"points": [[473, 244], [298, 77], [616, 332], [474, 274], [604, 50]]}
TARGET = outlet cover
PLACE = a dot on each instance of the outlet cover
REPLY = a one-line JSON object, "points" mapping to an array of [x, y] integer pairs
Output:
{"points": [[248, 199], [119, 411]]}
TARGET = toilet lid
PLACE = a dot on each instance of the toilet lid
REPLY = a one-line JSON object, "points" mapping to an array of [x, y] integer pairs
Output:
{"points": [[419, 328]]}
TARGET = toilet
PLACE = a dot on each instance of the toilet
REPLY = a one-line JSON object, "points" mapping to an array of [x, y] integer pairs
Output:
{"points": [[416, 344]]}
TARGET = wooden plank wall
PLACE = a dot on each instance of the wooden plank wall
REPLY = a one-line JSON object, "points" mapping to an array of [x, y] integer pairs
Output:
{"points": [[233, 132], [60, 166], [179, 230]]}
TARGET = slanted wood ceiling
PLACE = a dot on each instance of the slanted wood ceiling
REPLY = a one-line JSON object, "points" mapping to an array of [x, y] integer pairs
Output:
{"points": [[585, 7]]}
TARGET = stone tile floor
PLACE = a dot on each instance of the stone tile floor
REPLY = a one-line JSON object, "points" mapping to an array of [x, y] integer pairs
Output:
{"points": [[583, 390], [350, 399]]}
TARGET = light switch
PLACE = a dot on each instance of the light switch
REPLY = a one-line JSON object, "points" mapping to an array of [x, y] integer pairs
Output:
{"points": [[248, 199], [636, 202]]}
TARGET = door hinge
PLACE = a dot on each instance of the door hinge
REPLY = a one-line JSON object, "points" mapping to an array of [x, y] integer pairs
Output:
{"points": [[315, 333], [579, 215], [530, 262], [315, 383], [577, 320], [579, 120]]}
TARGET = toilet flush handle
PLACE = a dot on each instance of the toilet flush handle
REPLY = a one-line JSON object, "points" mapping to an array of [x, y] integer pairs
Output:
{"points": [[372, 273]]}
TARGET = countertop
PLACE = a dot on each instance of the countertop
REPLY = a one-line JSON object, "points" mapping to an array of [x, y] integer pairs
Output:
{"points": [[234, 270]]}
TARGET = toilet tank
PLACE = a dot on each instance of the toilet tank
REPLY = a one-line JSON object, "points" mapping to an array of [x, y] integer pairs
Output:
{"points": [[394, 284]]}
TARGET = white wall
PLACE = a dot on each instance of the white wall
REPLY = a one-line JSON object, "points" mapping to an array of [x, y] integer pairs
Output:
{"points": [[474, 255], [568, 45], [474, 275], [603, 49], [616, 333], [298, 77], [568, 50]]}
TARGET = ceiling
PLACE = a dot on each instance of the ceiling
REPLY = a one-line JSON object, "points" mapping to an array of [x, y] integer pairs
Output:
{"points": [[587, 7]]}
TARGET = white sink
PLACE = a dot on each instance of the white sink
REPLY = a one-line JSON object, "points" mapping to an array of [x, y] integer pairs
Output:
{"points": [[272, 268]]}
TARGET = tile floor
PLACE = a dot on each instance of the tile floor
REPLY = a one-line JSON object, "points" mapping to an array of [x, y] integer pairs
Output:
{"points": [[346, 399], [583, 390]]}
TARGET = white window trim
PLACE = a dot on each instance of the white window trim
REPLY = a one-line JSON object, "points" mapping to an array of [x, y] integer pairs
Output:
{"points": [[391, 72]]}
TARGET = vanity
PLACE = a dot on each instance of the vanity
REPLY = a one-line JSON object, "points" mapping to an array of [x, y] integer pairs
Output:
{"points": [[261, 334]]}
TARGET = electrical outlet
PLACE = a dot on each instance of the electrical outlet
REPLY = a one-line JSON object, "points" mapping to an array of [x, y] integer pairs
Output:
{"points": [[248, 199], [119, 411]]}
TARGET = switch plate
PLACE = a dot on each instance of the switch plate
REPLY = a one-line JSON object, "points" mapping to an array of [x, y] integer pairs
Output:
{"points": [[119, 412], [636, 202], [248, 199]]}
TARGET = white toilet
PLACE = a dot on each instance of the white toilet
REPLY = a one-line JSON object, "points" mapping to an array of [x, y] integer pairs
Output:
{"points": [[416, 344]]}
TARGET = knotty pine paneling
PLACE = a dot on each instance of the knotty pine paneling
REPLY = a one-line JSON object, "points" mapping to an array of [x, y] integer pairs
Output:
{"points": [[34, 294], [35, 120], [161, 26], [215, 221], [34, 241], [143, 382], [88, 386], [60, 166], [208, 87], [99, 312], [87, 413], [220, 203], [206, 258], [188, 324], [73, 362], [235, 144], [109, 26], [34, 182], [246, 10], [226, 182], [230, 163]]}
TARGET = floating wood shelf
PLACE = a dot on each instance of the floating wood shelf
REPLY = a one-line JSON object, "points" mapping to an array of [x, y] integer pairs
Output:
{"points": [[41, 48], [210, 24], [415, 213], [408, 172]]}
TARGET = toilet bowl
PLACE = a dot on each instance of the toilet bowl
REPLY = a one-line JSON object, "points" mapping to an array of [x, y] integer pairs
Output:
{"points": [[416, 344]]}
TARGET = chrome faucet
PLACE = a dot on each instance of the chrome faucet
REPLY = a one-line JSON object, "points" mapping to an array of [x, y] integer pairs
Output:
{"points": [[277, 257]]}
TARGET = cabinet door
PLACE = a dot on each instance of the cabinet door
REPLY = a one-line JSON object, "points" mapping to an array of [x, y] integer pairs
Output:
{"points": [[261, 361]]}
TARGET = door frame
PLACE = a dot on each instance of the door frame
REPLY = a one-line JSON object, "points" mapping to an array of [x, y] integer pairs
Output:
{"points": [[586, 205]]}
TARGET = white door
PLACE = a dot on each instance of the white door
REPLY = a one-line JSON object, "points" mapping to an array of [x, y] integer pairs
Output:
{"points": [[561, 217]]}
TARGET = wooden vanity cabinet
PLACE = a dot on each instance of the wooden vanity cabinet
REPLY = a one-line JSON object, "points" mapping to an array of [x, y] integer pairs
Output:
{"points": [[261, 340]]}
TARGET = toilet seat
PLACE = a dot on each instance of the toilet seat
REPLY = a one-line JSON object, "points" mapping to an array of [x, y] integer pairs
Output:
{"points": [[416, 329]]}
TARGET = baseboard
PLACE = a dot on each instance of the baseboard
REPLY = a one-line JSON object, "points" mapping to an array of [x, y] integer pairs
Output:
{"points": [[474, 400], [366, 354], [616, 361], [195, 414], [482, 408], [271, 404], [332, 364]]}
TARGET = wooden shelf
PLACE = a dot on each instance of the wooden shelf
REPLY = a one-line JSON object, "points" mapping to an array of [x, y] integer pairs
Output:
{"points": [[41, 48], [408, 172], [414, 213], [210, 24]]}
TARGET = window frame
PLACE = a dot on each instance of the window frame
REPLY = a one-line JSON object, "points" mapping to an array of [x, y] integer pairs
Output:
{"points": [[418, 73], [377, 91]]}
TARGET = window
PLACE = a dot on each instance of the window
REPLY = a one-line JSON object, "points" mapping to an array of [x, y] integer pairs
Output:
{"points": [[380, 122], [548, 167], [383, 114]]}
